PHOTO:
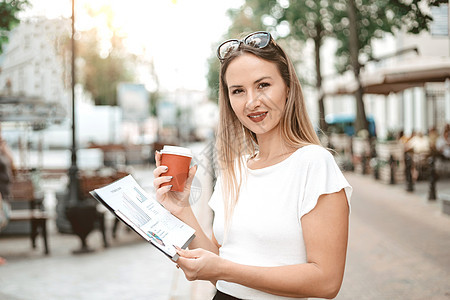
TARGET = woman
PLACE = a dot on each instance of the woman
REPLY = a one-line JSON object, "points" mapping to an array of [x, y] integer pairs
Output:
{"points": [[280, 203]]}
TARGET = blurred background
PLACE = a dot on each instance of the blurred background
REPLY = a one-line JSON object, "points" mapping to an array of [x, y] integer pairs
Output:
{"points": [[90, 89]]}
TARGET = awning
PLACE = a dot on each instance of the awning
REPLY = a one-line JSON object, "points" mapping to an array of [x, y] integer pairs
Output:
{"points": [[412, 72], [30, 110]]}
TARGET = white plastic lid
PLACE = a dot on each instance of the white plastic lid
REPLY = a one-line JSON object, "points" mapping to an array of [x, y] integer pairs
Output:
{"points": [[176, 150]]}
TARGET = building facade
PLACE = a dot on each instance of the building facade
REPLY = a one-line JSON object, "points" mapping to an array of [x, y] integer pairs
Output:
{"points": [[36, 61], [407, 90]]}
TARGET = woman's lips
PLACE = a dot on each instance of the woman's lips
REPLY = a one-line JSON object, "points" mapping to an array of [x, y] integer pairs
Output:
{"points": [[257, 117]]}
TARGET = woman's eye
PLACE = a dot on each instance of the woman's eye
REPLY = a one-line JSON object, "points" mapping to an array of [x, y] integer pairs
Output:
{"points": [[236, 91], [263, 85]]}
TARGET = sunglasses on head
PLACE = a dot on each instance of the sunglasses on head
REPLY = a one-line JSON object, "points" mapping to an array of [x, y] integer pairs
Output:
{"points": [[259, 40]]}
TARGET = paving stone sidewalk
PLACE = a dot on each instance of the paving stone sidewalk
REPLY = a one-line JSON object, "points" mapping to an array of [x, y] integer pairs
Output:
{"points": [[399, 243], [129, 269], [399, 248]]}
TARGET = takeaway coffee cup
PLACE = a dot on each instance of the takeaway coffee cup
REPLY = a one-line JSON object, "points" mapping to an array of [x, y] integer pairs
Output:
{"points": [[178, 160]]}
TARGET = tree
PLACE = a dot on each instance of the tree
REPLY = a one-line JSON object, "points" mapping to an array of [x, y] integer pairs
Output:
{"points": [[8, 17], [99, 74], [354, 23], [243, 20], [306, 19], [104, 68], [359, 22], [213, 78]]}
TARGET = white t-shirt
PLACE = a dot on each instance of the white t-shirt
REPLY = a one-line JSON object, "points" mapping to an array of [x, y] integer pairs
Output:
{"points": [[266, 228]]}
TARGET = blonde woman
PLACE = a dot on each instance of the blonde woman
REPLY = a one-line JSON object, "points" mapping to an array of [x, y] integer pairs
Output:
{"points": [[281, 204]]}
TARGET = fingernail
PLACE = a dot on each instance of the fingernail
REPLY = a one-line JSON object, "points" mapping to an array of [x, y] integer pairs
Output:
{"points": [[169, 186], [166, 168]]}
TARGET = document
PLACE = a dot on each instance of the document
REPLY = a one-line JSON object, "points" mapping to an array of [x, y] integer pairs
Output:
{"points": [[126, 199]]}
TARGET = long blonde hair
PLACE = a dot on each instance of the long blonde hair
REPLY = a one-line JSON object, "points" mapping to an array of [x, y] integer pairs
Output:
{"points": [[235, 142]]}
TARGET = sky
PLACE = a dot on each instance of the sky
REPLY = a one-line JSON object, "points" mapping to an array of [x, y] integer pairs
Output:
{"points": [[178, 35]]}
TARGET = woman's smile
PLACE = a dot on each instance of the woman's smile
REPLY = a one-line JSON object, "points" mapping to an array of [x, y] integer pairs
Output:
{"points": [[258, 116]]}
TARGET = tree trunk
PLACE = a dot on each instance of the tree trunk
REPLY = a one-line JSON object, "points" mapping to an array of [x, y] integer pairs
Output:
{"points": [[361, 120], [317, 44]]}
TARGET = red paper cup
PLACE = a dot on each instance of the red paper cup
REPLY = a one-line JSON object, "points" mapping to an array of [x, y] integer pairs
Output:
{"points": [[178, 159]]}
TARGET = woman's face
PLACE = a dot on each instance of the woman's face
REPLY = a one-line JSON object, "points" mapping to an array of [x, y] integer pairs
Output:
{"points": [[257, 93]]}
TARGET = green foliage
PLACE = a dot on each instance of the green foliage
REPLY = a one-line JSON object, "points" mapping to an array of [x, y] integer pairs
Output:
{"points": [[213, 78], [8, 17], [244, 20], [375, 18], [104, 67], [154, 99], [310, 19], [305, 19], [101, 75]]}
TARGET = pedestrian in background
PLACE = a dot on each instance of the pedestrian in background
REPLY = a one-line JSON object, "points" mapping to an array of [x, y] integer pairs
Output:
{"points": [[7, 170], [443, 143], [280, 202], [433, 136]]}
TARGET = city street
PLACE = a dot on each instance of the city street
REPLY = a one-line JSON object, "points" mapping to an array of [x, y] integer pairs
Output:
{"points": [[89, 90], [399, 243], [398, 249]]}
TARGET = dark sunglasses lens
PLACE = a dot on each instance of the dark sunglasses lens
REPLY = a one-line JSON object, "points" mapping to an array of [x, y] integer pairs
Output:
{"points": [[258, 40], [226, 48]]}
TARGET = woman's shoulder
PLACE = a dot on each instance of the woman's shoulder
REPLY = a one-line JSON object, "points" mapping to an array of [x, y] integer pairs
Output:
{"points": [[314, 152]]}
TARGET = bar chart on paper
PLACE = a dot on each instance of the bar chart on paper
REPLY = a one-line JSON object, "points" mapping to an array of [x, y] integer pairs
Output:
{"points": [[136, 214]]}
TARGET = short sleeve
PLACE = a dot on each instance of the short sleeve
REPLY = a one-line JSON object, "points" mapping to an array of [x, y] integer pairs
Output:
{"points": [[215, 202], [323, 177]]}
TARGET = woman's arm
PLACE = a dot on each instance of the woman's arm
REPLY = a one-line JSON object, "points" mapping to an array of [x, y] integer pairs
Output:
{"points": [[325, 231], [201, 240]]}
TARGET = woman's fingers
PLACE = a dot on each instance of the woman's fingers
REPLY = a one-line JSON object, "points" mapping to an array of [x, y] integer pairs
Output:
{"points": [[160, 180], [192, 254], [197, 264], [163, 190], [157, 158], [160, 170]]}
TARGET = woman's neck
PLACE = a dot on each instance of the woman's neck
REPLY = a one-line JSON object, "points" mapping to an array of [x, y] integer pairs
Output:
{"points": [[272, 146]]}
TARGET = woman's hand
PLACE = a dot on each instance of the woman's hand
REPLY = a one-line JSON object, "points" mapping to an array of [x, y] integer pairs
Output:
{"points": [[175, 202], [200, 264]]}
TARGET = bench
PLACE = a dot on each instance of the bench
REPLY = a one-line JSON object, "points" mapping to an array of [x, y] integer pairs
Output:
{"points": [[94, 181], [22, 190]]}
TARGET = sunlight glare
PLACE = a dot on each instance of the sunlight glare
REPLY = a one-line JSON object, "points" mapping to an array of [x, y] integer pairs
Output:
{"points": [[179, 36]]}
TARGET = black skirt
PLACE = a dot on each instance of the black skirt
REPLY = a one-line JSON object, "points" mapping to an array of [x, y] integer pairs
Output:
{"points": [[222, 296]]}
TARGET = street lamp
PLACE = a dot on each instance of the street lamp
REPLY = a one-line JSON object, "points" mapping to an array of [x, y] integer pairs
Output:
{"points": [[73, 194], [81, 214]]}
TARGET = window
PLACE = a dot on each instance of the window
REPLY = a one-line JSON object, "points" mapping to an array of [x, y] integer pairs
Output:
{"points": [[26, 42], [439, 26]]}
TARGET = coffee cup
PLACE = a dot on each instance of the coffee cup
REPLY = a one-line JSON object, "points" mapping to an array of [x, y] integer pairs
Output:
{"points": [[178, 160]]}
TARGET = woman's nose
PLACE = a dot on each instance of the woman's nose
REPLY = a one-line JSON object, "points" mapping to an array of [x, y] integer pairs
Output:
{"points": [[253, 101]]}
